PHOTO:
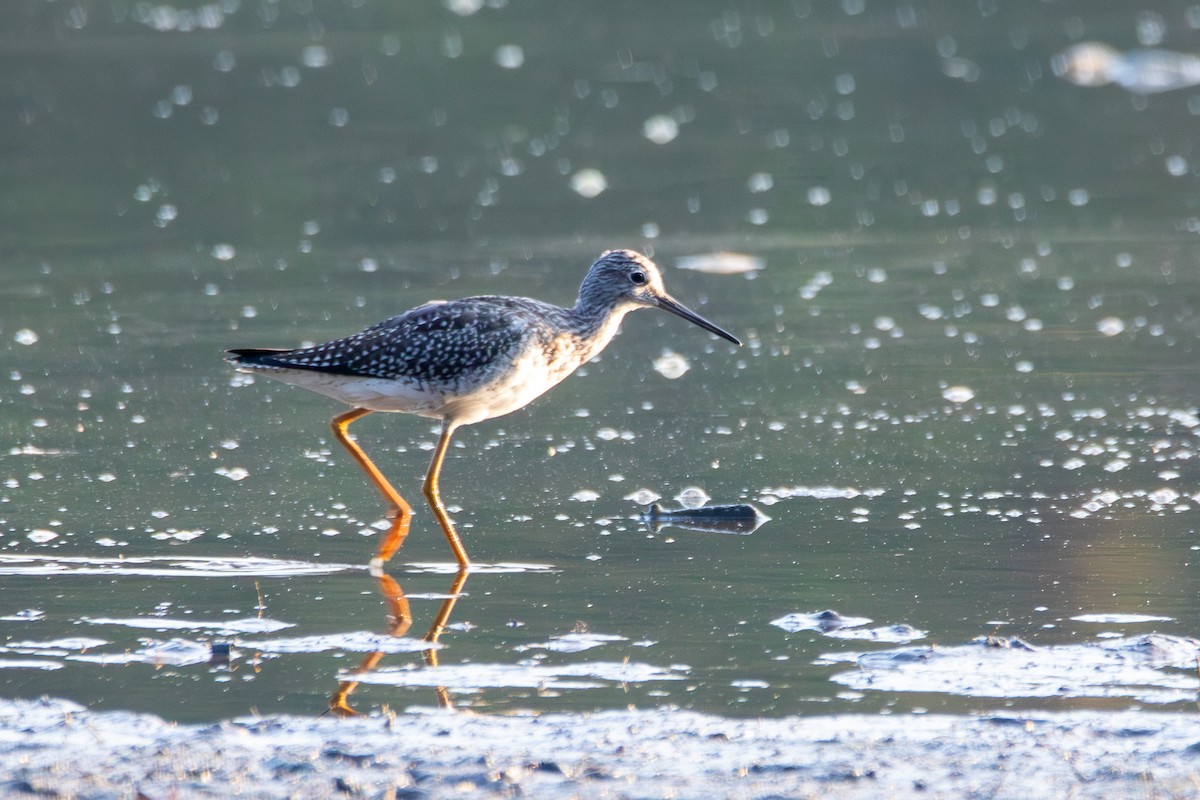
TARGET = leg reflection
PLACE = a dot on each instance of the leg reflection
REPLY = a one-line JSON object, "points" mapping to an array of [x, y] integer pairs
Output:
{"points": [[400, 619]]}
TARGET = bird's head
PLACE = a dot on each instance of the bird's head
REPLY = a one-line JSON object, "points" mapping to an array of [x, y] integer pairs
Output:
{"points": [[625, 278]]}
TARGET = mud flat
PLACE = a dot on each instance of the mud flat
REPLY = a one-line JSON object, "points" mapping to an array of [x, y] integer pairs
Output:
{"points": [[56, 748]]}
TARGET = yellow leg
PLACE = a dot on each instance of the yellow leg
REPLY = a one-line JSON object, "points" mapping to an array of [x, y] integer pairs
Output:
{"points": [[395, 535], [432, 495]]}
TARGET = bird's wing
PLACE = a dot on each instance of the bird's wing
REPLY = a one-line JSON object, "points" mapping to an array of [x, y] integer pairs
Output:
{"points": [[436, 342]]}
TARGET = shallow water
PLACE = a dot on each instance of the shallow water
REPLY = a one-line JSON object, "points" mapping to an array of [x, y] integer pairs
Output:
{"points": [[966, 400]]}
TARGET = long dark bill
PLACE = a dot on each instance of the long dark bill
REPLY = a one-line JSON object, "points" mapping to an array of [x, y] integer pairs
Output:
{"points": [[680, 310]]}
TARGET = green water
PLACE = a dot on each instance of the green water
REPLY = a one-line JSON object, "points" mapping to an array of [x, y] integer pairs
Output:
{"points": [[967, 397]]}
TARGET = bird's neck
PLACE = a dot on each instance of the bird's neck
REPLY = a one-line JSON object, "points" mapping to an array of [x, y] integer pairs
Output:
{"points": [[594, 327]]}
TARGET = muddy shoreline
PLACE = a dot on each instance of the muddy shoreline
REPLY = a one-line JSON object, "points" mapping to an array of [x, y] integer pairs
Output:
{"points": [[56, 748]]}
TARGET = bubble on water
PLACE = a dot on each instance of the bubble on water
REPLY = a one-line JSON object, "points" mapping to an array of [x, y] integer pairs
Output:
{"points": [[223, 252], [452, 44], [760, 182], [819, 196], [233, 473], [1110, 326], [958, 394], [660, 129], [588, 182], [692, 497], [722, 263], [463, 8], [1116, 465], [41, 536], [671, 365], [315, 56], [818, 282], [877, 275], [509, 56], [25, 336], [757, 216], [644, 497], [1163, 497], [586, 496]]}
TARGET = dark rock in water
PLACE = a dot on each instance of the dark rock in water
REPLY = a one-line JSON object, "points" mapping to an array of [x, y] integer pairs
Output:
{"points": [[221, 654], [825, 622], [739, 519], [994, 719]]}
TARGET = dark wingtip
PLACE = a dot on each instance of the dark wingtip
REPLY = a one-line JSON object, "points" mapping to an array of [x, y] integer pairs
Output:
{"points": [[253, 356]]}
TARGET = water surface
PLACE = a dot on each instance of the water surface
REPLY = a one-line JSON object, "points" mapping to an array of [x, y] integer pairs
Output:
{"points": [[966, 400]]}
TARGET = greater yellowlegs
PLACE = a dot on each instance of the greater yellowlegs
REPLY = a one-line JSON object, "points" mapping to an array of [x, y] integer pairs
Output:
{"points": [[465, 361]]}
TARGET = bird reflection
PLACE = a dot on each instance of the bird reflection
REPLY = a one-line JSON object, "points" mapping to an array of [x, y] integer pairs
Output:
{"points": [[400, 619]]}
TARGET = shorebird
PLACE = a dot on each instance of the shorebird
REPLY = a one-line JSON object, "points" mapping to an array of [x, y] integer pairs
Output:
{"points": [[464, 361]]}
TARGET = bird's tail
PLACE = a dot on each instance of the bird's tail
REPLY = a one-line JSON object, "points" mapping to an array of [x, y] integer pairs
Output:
{"points": [[256, 357]]}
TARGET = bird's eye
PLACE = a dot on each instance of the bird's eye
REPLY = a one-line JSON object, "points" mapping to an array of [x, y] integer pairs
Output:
{"points": [[638, 278]]}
